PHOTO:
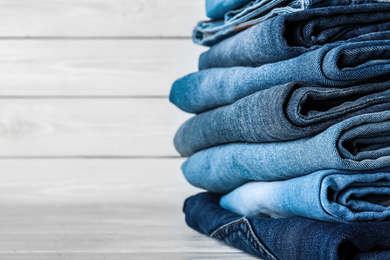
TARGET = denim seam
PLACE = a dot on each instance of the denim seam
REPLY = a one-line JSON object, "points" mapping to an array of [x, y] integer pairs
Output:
{"points": [[223, 227], [372, 102], [254, 237]]}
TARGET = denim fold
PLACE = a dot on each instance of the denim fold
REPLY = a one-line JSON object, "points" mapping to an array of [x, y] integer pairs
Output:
{"points": [[293, 238], [328, 195], [287, 36], [358, 143], [285, 112], [209, 33], [341, 66], [216, 9]]}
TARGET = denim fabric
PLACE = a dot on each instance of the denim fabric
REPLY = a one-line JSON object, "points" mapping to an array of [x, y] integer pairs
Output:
{"points": [[216, 9], [358, 143], [340, 66], [284, 112], [287, 36], [288, 238], [328, 195], [211, 32]]}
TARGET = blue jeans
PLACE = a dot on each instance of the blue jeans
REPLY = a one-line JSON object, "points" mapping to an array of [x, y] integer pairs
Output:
{"points": [[285, 112], [211, 32], [344, 65], [287, 36], [358, 143], [288, 238], [216, 9], [328, 195]]}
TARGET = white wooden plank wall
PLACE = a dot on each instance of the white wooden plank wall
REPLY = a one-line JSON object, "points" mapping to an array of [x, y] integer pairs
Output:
{"points": [[88, 168]]}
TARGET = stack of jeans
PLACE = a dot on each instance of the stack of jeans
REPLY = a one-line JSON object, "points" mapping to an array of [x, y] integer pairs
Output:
{"points": [[291, 137]]}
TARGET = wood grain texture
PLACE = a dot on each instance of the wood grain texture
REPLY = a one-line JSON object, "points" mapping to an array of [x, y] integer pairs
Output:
{"points": [[90, 79], [78, 209], [101, 18], [126, 256], [94, 68], [88, 127]]}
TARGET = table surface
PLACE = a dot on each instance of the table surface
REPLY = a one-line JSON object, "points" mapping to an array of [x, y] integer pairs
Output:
{"points": [[88, 168]]}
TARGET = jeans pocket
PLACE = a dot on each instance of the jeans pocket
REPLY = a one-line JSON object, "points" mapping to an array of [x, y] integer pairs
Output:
{"points": [[239, 234]]}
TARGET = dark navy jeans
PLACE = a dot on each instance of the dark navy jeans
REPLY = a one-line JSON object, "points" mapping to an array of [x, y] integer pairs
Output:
{"points": [[285, 112], [289, 238], [287, 36]]}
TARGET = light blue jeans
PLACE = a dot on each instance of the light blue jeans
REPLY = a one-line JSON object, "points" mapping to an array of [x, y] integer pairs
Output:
{"points": [[359, 143], [328, 195]]}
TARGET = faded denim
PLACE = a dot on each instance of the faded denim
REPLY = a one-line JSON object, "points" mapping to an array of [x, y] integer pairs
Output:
{"points": [[284, 112], [328, 195], [288, 238], [340, 66], [359, 143], [216, 9], [211, 32], [287, 36]]}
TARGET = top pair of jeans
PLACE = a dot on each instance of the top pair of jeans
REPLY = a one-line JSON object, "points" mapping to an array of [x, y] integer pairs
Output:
{"points": [[211, 32], [288, 238], [216, 9], [327, 195], [287, 36], [285, 112], [340, 66], [358, 143]]}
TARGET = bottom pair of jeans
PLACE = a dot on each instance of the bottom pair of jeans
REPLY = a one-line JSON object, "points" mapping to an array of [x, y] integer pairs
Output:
{"points": [[288, 238]]}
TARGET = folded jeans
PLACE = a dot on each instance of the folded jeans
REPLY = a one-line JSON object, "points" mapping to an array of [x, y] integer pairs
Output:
{"points": [[285, 112], [340, 66], [327, 195], [212, 32], [288, 36], [216, 9], [358, 143], [288, 238]]}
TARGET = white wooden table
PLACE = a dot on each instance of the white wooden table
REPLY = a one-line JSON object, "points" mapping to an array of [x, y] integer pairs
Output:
{"points": [[88, 168]]}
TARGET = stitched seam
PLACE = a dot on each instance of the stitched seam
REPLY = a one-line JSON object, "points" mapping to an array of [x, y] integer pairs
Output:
{"points": [[219, 231], [257, 244]]}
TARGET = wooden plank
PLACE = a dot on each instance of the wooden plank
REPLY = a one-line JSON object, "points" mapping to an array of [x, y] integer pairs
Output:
{"points": [[126, 256], [94, 68], [88, 127], [81, 208], [113, 18]]}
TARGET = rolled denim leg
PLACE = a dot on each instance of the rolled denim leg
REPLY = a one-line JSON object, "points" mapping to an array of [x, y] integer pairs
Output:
{"points": [[285, 112], [328, 195], [340, 66], [358, 143], [288, 36]]}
